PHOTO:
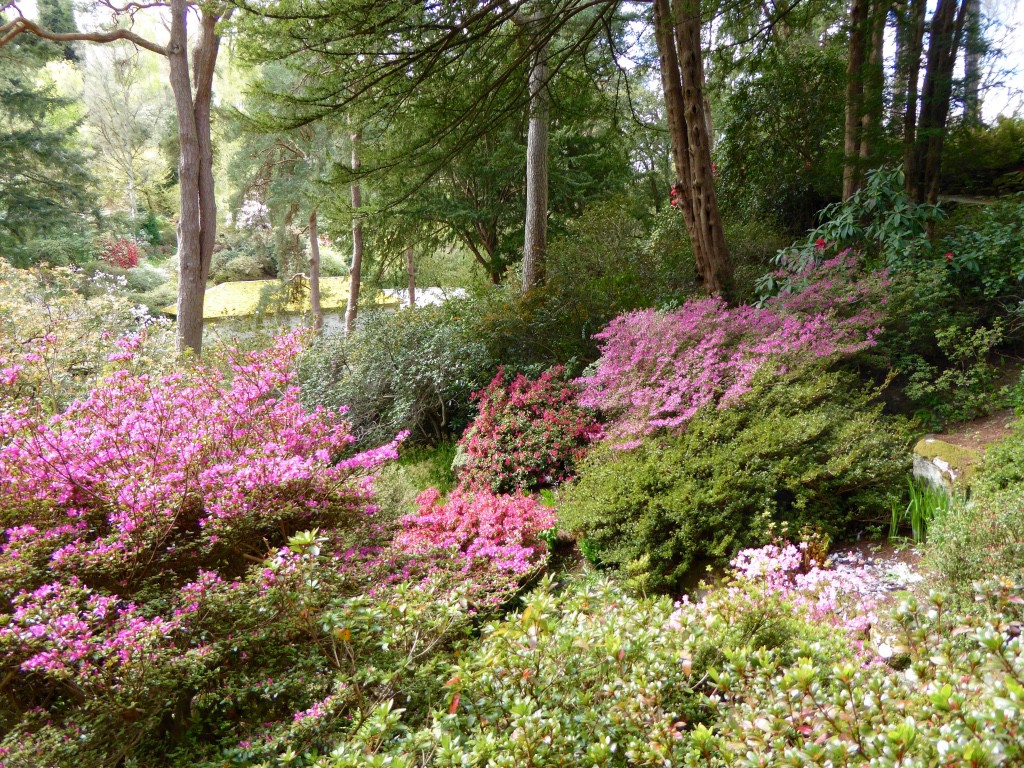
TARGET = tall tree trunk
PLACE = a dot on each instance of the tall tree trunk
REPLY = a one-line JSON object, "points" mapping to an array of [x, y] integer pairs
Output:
{"points": [[974, 48], [314, 273], [873, 98], [204, 63], [912, 71], [854, 96], [677, 33], [197, 221], [536, 230], [410, 269], [901, 13], [944, 42], [133, 203], [355, 273], [191, 285]]}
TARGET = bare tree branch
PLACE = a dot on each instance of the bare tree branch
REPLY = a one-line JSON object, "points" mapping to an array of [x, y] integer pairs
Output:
{"points": [[21, 25]]}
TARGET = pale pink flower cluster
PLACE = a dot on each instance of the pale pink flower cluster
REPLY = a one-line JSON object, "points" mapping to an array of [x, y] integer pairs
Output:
{"points": [[845, 599]]}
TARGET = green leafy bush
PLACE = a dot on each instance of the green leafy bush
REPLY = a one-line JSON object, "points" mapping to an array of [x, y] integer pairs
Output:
{"points": [[984, 535], [145, 278], [808, 449], [957, 703], [587, 674], [967, 387], [987, 254], [411, 370], [72, 321]]}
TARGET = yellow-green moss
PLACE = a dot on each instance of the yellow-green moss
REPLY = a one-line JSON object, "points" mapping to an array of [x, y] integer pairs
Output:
{"points": [[960, 458]]}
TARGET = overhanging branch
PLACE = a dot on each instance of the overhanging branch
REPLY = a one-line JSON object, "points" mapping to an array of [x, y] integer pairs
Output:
{"points": [[21, 25]]}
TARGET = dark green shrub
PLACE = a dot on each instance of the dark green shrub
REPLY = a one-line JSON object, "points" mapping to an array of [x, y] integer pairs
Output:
{"points": [[242, 256], [811, 449], [939, 347], [966, 388], [1003, 468], [983, 160], [987, 254], [398, 483]]}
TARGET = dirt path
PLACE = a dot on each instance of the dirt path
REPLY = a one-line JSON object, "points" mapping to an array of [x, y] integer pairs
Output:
{"points": [[981, 433]]}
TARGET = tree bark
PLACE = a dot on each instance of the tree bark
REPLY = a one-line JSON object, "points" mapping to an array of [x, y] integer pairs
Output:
{"points": [[535, 233], [204, 62], [677, 33], [974, 48], [873, 97], [854, 96], [410, 269], [314, 273], [355, 271], [912, 71], [191, 282], [944, 42]]}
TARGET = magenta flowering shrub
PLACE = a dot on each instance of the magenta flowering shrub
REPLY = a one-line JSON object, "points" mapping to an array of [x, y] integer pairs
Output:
{"points": [[485, 531], [193, 567], [528, 434], [657, 369], [150, 477]]}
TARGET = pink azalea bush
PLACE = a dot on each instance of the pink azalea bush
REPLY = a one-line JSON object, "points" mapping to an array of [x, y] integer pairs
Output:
{"points": [[197, 553], [657, 369], [528, 434], [484, 530], [148, 476]]}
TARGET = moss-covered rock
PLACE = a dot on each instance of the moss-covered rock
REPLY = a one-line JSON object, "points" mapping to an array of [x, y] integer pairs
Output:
{"points": [[944, 464]]}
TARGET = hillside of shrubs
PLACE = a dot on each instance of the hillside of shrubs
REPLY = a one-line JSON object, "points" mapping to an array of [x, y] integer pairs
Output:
{"points": [[594, 525]]}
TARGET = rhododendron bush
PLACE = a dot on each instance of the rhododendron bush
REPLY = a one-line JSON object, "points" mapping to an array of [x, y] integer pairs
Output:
{"points": [[528, 434], [657, 369]]}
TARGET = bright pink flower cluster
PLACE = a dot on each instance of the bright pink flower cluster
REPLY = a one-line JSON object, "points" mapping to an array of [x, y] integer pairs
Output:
{"points": [[528, 434], [482, 529], [67, 632], [845, 598], [149, 473], [121, 253], [657, 369]]}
